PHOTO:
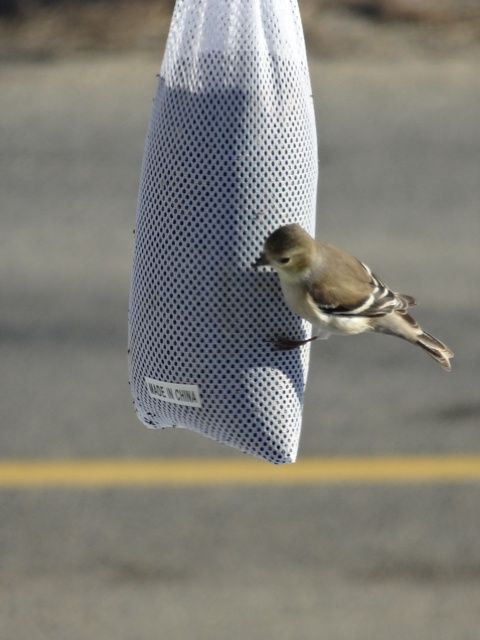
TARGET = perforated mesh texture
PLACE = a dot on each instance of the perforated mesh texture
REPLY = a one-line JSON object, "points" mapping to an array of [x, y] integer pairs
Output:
{"points": [[230, 156]]}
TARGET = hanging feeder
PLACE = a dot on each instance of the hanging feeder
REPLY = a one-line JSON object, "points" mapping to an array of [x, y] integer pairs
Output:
{"points": [[230, 156]]}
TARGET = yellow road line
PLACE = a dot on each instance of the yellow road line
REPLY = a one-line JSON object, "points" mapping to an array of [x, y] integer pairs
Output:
{"points": [[204, 472]]}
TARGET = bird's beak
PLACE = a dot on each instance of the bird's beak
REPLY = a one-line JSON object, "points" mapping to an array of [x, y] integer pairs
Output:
{"points": [[261, 261]]}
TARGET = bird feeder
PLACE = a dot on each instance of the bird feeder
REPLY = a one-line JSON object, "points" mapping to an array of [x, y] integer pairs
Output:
{"points": [[230, 155]]}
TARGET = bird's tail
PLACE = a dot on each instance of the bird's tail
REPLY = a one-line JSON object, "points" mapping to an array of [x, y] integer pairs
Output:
{"points": [[436, 349], [402, 324]]}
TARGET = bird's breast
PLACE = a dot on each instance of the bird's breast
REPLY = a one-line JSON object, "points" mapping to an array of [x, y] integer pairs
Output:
{"points": [[299, 302]]}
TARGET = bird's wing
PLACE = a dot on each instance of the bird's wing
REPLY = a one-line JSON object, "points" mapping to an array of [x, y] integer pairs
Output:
{"points": [[344, 286]]}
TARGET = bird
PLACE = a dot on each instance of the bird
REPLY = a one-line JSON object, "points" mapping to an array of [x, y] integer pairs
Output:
{"points": [[339, 294]]}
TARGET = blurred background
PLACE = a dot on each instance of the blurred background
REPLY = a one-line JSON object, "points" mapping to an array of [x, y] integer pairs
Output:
{"points": [[397, 93], [333, 28]]}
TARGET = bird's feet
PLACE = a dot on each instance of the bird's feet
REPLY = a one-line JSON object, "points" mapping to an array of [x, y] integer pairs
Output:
{"points": [[286, 344]]}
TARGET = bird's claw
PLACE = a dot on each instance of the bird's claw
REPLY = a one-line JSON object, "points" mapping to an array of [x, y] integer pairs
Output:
{"points": [[286, 344]]}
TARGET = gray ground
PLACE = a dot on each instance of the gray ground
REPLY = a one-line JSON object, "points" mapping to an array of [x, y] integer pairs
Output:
{"points": [[400, 187]]}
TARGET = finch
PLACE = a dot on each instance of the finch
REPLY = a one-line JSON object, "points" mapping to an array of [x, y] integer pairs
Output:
{"points": [[339, 294]]}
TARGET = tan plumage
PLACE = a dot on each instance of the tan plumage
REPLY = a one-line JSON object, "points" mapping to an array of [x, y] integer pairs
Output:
{"points": [[339, 294]]}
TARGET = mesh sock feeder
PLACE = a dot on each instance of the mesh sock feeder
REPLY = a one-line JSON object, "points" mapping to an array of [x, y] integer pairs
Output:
{"points": [[230, 156]]}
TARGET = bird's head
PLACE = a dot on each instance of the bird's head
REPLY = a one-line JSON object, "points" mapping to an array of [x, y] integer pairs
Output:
{"points": [[289, 250]]}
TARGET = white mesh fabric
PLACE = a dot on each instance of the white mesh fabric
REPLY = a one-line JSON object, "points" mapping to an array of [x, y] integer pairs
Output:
{"points": [[230, 156]]}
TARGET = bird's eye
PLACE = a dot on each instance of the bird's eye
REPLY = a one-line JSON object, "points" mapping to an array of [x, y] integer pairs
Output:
{"points": [[284, 260]]}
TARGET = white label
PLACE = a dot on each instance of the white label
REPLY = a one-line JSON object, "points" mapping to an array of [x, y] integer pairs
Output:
{"points": [[184, 394]]}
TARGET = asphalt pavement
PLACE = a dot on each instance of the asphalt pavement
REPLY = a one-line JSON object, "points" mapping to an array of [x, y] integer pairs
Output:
{"points": [[399, 148]]}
